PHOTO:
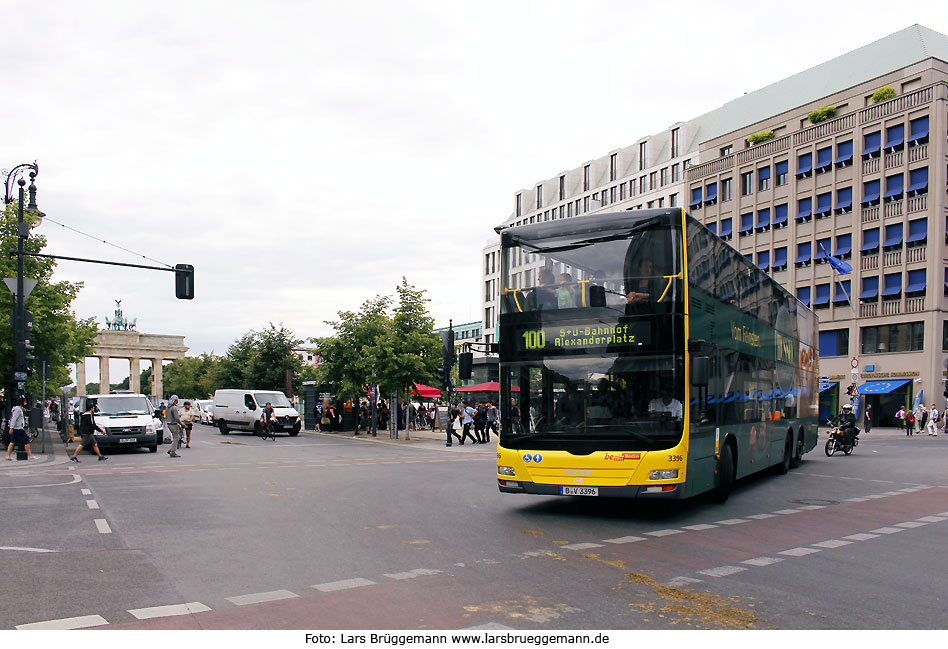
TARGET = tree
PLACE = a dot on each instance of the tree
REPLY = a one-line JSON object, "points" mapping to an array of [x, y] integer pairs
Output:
{"points": [[191, 376], [56, 330], [259, 360]]}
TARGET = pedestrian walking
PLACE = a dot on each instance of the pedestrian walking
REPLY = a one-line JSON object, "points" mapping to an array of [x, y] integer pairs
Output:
{"points": [[187, 420], [491, 420], [867, 421], [17, 428], [933, 416], [467, 421], [173, 422], [909, 423], [900, 418], [480, 422], [87, 428]]}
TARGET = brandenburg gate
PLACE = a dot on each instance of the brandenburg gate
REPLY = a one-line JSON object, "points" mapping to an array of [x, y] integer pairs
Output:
{"points": [[120, 340]]}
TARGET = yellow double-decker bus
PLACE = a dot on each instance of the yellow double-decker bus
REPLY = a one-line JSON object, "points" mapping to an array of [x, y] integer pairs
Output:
{"points": [[642, 356]]}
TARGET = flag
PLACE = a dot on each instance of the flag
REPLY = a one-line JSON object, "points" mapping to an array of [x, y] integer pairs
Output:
{"points": [[840, 266], [918, 399]]}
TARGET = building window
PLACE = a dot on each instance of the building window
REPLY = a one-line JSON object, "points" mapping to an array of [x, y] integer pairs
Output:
{"points": [[586, 178], [686, 165], [805, 165], [661, 202], [612, 194], [747, 183], [834, 342], [673, 200], [519, 204], [727, 150], [653, 180], [585, 204], [782, 171], [664, 176], [727, 191], [622, 192], [643, 152], [642, 185], [569, 209], [539, 196], [824, 160], [899, 337], [674, 147], [763, 178], [651, 204], [562, 187], [613, 166], [676, 172]]}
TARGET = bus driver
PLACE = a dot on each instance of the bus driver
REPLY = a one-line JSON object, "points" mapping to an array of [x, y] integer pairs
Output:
{"points": [[667, 403]]}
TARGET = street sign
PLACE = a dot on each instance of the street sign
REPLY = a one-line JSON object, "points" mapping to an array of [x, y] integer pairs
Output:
{"points": [[28, 285], [854, 371], [19, 376], [854, 363]]}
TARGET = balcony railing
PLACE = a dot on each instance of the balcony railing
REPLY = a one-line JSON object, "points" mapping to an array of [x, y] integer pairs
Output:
{"points": [[823, 129], [870, 166], [869, 262], [916, 254], [868, 309], [918, 203], [870, 214], [711, 167], [897, 104], [892, 258], [915, 304], [893, 159], [763, 150], [917, 153], [891, 307], [893, 209]]}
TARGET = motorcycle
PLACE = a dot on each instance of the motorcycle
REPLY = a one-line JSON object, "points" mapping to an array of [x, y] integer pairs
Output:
{"points": [[837, 442]]}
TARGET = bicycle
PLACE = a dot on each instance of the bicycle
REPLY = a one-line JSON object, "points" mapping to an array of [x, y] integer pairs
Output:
{"points": [[266, 430]]}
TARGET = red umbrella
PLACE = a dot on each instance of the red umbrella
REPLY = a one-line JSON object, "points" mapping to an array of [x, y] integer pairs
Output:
{"points": [[490, 386], [425, 391]]}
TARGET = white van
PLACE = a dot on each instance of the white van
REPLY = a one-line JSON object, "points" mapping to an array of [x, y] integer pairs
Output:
{"points": [[128, 420], [240, 410]]}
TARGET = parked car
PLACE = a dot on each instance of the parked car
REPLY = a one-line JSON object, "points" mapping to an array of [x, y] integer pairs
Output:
{"points": [[240, 410], [204, 408], [128, 420]]}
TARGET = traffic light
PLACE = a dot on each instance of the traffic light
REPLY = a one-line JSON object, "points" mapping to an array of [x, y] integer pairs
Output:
{"points": [[184, 281], [447, 347], [465, 363], [23, 353], [444, 376]]}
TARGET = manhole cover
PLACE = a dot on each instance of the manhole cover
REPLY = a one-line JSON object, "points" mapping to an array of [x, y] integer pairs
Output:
{"points": [[815, 501]]}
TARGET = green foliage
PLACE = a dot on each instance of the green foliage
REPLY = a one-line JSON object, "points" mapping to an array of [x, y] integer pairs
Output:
{"points": [[191, 377], [882, 94], [763, 136], [821, 114], [373, 347], [56, 330], [259, 360]]}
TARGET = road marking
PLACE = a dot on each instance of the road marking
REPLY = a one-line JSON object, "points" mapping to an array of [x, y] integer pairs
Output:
{"points": [[812, 507], [732, 521], [910, 524], [856, 500], [411, 574], [787, 511], [664, 532], [874, 496], [861, 537], [343, 585], [75, 478], [760, 517], [932, 519], [65, 623], [625, 539], [699, 528], [722, 571], [257, 598], [892, 493], [763, 561], [171, 609], [103, 526], [832, 543], [678, 582], [25, 549], [798, 552], [92, 504], [86, 492], [888, 530], [582, 546]]}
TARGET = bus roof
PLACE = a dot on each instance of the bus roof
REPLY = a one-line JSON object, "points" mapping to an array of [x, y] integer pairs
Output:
{"points": [[603, 222]]}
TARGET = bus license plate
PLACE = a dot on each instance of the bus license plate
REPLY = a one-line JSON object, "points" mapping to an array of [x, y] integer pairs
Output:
{"points": [[579, 491], [126, 440]]}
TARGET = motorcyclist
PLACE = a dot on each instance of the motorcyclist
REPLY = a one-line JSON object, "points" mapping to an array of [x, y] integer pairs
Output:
{"points": [[846, 421]]}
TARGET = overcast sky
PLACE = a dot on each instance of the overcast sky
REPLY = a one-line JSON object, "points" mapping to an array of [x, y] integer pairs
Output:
{"points": [[304, 156]]}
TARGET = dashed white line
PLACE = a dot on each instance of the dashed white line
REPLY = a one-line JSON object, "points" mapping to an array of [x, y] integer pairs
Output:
{"points": [[910, 524], [732, 521], [722, 571], [678, 582], [760, 517], [625, 539], [763, 561], [664, 532], [861, 537], [257, 598], [698, 528], [832, 543], [86, 492], [787, 511], [103, 526], [798, 552], [345, 584], [92, 504], [65, 623], [582, 546], [167, 611], [812, 507], [411, 574], [932, 519], [888, 530]]}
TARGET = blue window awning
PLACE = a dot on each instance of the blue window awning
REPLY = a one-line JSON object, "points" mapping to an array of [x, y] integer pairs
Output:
{"points": [[695, 198], [711, 194], [822, 295], [918, 181], [804, 209], [918, 231], [780, 258], [824, 159], [725, 228], [844, 200], [747, 223], [893, 285], [870, 240], [893, 235], [918, 131], [870, 192], [873, 145], [881, 387], [915, 281], [844, 153], [824, 205], [829, 343], [763, 173], [763, 218], [829, 386], [713, 227], [870, 288], [804, 165], [780, 215], [763, 259], [844, 245], [893, 187], [842, 293], [894, 137], [803, 294], [803, 253], [782, 167]]}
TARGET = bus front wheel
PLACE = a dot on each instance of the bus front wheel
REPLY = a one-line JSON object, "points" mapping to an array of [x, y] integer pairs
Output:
{"points": [[725, 475]]}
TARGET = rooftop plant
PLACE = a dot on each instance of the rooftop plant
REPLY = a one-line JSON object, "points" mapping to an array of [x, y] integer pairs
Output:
{"points": [[821, 114], [882, 94], [763, 136]]}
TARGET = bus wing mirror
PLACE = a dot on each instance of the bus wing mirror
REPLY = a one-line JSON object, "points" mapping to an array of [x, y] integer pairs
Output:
{"points": [[699, 371]]}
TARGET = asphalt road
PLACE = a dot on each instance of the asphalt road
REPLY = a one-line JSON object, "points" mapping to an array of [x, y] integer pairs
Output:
{"points": [[333, 532]]}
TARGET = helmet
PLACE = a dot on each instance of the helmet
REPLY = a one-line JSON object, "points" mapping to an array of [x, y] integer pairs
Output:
{"points": [[847, 407]]}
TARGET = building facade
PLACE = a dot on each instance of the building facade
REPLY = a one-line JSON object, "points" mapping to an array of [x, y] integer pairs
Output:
{"points": [[866, 185]]}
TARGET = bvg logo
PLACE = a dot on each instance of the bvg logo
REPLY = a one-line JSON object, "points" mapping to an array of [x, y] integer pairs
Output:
{"points": [[578, 472]]}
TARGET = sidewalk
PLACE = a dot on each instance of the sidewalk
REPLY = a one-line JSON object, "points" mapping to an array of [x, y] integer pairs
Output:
{"points": [[56, 453]]}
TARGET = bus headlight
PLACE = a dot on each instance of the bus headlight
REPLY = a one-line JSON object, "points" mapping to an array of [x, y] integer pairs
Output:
{"points": [[506, 470], [663, 474]]}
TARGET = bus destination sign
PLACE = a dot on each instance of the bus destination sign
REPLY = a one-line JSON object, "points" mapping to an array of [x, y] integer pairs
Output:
{"points": [[621, 336]]}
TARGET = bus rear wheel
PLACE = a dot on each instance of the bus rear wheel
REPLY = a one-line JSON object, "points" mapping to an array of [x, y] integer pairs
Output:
{"points": [[784, 467], [797, 458], [725, 475]]}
